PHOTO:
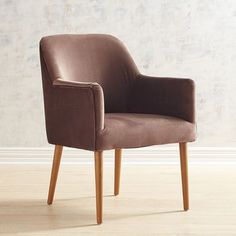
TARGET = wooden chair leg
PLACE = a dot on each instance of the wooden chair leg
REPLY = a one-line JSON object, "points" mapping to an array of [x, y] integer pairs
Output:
{"points": [[98, 179], [117, 171], [184, 174], [54, 172]]}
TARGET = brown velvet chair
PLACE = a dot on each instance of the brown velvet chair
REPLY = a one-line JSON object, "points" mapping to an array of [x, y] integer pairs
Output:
{"points": [[96, 99]]}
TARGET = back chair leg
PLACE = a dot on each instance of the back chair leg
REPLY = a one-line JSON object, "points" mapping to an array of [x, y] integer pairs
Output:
{"points": [[118, 153], [184, 173], [54, 172], [98, 156]]}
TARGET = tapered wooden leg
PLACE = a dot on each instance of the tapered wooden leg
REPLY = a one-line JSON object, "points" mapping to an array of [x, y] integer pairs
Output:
{"points": [[98, 179], [118, 153], [184, 173], [54, 172]]}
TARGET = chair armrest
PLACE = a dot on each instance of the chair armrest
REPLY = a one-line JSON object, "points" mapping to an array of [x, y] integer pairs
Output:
{"points": [[74, 112], [96, 92], [164, 96], [67, 83]]}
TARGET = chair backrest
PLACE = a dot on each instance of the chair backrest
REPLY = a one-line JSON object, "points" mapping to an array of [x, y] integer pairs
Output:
{"points": [[91, 58]]}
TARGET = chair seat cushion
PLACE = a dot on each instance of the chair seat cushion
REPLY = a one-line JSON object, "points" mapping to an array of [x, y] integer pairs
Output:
{"points": [[132, 130]]}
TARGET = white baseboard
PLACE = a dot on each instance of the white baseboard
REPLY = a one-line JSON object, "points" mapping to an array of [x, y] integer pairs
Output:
{"points": [[149, 156]]}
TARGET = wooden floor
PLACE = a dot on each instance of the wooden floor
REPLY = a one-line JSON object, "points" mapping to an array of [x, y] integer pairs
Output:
{"points": [[150, 201]]}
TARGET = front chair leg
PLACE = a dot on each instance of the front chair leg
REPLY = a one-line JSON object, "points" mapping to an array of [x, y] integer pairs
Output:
{"points": [[54, 172], [117, 171], [98, 179], [184, 173]]}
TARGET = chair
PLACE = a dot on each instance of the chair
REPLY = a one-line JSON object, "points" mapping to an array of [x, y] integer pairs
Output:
{"points": [[96, 99]]}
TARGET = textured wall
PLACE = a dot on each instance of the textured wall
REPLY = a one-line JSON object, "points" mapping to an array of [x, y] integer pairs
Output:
{"points": [[182, 38]]}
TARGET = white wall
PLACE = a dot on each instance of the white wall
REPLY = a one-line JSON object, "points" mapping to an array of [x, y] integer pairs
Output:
{"points": [[182, 38]]}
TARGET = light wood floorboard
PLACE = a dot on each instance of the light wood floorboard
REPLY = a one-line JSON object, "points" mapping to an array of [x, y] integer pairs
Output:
{"points": [[149, 203]]}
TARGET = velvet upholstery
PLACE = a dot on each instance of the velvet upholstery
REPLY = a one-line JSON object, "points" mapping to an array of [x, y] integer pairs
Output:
{"points": [[131, 130], [165, 96], [96, 99]]}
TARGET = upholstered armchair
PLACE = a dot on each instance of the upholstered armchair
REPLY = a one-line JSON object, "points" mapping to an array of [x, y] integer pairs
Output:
{"points": [[96, 99]]}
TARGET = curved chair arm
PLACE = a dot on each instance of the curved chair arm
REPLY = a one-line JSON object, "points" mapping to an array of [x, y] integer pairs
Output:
{"points": [[164, 96], [97, 97], [67, 83], [74, 112]]}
